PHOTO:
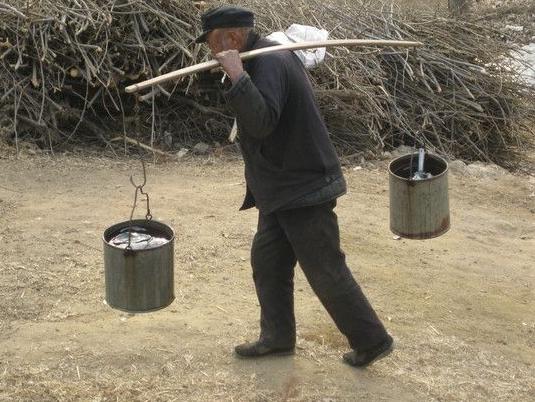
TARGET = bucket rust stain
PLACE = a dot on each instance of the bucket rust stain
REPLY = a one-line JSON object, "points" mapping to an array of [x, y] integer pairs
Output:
{"points": [[443, 228]]}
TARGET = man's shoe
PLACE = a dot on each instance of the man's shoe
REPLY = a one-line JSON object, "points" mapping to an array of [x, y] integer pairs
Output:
{"points": [[365, 358], [259, 349]]}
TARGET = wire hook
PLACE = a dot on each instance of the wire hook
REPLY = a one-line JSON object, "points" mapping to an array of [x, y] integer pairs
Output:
{"points": [[144, 177]]}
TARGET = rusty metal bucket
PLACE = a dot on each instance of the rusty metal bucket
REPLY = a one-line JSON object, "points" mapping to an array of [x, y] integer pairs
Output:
{"points": [[139, 280], [419, 209]]}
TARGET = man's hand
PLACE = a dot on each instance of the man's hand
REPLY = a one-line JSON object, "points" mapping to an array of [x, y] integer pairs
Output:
{"points": [[231, 63]]}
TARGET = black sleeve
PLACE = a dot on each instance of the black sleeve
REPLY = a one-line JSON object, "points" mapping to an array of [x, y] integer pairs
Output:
{"points": [[258, 100]]}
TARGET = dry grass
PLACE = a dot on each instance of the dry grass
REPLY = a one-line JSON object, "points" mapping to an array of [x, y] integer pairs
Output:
{"points": [[459, 307]]}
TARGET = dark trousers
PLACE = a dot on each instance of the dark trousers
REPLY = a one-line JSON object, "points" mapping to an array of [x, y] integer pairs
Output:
{"points": [[311, 236]]}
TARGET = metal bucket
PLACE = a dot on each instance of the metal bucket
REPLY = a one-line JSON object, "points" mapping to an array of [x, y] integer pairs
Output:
{"points": [[139, 280], [419, 209]]}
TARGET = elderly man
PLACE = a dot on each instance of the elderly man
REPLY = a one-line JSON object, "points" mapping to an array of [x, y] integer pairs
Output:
{"points": [[293, 177]]}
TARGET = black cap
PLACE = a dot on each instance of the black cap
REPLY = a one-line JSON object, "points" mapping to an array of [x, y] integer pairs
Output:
{"points": [[225, 17]]}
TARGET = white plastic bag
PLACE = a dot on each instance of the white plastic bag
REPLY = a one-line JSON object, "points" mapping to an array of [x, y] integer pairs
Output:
{"points": [[303, 33]]}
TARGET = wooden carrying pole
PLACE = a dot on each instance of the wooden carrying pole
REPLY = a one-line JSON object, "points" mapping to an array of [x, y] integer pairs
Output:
{"points": [[208, 65]]}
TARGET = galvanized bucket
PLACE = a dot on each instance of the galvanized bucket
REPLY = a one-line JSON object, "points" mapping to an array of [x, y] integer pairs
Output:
{"points": [[419, 209], [139, 280]]}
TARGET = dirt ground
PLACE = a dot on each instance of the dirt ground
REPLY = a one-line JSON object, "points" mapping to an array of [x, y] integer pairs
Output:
{"points": [[461, 306]]}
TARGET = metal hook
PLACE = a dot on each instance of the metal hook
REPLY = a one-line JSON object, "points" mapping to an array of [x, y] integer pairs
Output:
{"points": [[148, 216], [144, 177]]}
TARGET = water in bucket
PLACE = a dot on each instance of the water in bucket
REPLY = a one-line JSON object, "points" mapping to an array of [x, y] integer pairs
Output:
{"points": [[139, 237]]}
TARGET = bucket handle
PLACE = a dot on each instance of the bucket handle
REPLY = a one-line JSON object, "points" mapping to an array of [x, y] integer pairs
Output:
{"points": [[139, 190]]}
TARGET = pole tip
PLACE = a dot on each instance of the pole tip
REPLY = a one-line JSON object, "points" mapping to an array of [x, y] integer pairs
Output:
{"points": [[131, 89]]}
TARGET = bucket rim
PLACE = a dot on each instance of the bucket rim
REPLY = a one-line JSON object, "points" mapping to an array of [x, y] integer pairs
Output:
{"points": [[407, 156], [151, 310], [139, 222], [422, 236]]}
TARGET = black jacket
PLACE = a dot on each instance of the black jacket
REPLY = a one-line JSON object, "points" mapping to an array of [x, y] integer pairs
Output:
{"points": [[285, 144]]}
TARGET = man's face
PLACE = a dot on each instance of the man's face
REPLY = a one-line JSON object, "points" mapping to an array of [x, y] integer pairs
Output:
{"points": [[220, 40]]}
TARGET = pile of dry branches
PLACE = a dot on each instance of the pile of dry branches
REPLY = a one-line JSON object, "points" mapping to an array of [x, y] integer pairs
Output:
{"points": [[64, 65], [451, 95]]}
